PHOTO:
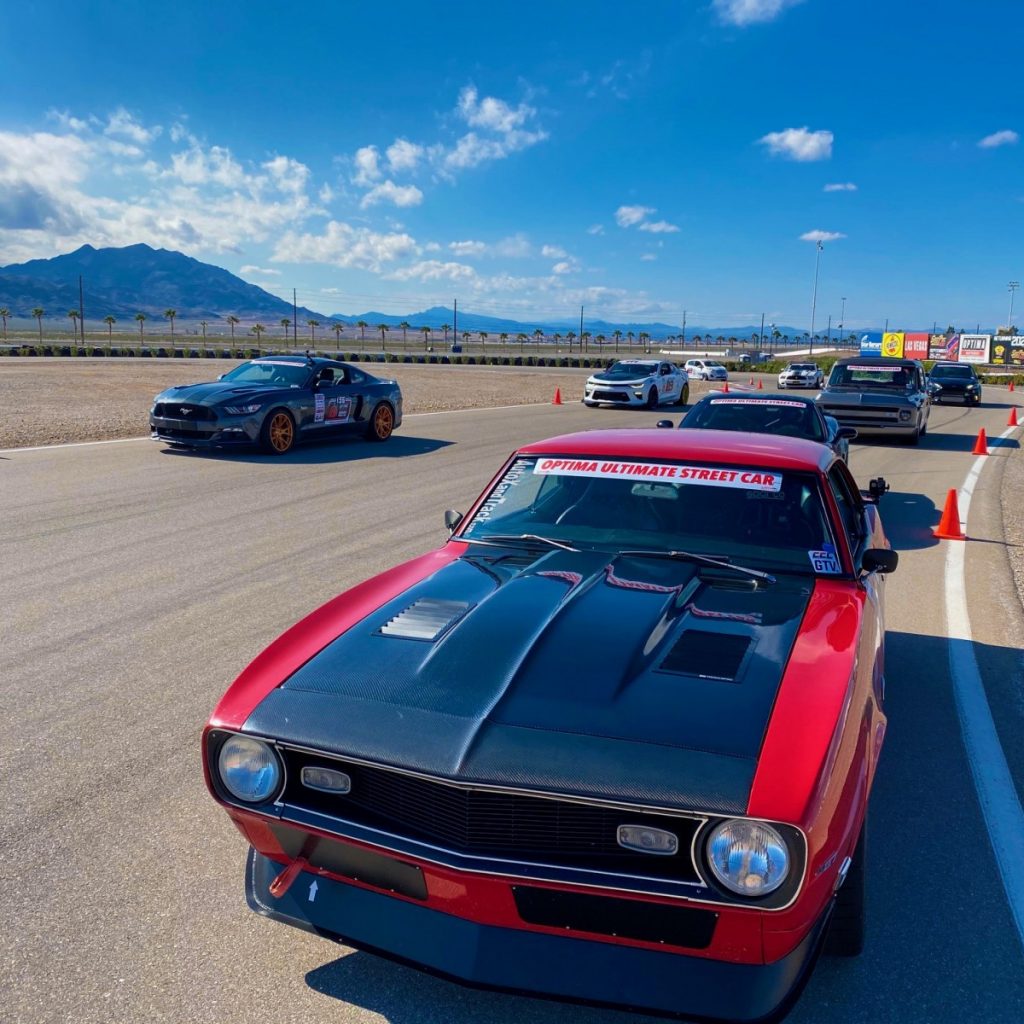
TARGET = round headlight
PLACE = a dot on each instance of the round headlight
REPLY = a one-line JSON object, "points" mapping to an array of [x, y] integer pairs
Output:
{"points": [[748, 857], [249, 769]]}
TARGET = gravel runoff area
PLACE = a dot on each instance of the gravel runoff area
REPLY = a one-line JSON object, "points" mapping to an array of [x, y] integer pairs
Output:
{"points": [[54, 400]]}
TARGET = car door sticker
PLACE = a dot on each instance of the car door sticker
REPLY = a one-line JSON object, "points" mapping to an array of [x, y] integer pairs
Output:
{"points": [[339, 410], [318, 409], [824, 561]]}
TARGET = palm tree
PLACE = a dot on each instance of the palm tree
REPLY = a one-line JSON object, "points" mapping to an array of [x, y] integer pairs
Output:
{"points": [[557, 339], [73, 313], [425, 331], [312, 325], [483, 339], [570, 336], [232, 320], [337, 328], [258, 330], [465, 337], [629, 338], [521, 338], [285, 323], [644, 339], [383, 328], [39, 313], [170, 314], [4, 314], [204, 324], [110, 321], [405, 327], [538, 336], [141, 317], [600, 339], [446, 328], [504, 340], [362, 325], [617, 335], [585, 340]]}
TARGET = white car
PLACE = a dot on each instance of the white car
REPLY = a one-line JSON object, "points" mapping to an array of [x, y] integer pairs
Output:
{"points": [[638, 382], [705, 369], [802, 375]]}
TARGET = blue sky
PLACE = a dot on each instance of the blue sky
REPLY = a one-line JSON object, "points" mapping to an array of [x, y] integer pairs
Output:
{"points": [[640, 159]]}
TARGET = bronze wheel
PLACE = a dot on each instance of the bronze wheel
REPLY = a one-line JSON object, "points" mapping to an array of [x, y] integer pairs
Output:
{"points": [[278, 433], [382, 424]]}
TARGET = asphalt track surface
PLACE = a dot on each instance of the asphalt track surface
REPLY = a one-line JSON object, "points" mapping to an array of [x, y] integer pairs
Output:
{"points": [[137, 582]]}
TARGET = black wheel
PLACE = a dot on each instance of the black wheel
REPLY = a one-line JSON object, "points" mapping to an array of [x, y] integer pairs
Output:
{"points": [[652, 398], [915, 437], [846, 931], [382, 423], [277, 435]]}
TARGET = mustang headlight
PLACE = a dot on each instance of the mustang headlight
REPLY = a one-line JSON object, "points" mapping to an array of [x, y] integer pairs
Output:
{"points": [[249, 769], [243, 410], [748, 857]]}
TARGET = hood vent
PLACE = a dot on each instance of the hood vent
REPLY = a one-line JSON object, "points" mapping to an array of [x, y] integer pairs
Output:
{"points": [[426, 619], [707, 655]]}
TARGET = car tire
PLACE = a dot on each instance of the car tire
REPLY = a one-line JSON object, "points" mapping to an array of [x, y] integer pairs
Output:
{"points": [[382, 423], [652, 398], [684, 395], [846, 930], [915, 437], [277, 435]]}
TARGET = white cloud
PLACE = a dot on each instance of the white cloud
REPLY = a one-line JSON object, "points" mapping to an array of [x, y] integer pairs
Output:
{"points": [[197, 166], [432, 247], [491, 113], [288, 175], [516, 247], [996, 139], [841, 186], [389, 192], [627, 216], [403, 155], [326, 193], [564, 267], [367, 161], [472, 150], [553, 252], [659, 227], [433, 270], [342, 245], [799, 144], [259, 271], [821, 236], [595, 229], [648, 257], [122, 123], [749, 12], [468, 248]]}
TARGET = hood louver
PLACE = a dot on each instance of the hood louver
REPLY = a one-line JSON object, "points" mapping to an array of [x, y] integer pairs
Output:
{"points": [[426, 619], [707, 655]]}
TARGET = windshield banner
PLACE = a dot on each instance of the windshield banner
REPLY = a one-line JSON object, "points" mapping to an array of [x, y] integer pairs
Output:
{"points": [[711, 476]]}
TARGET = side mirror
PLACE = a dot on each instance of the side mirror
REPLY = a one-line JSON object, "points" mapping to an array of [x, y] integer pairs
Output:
{"points": [[665, 424], [452, 519], [880, 560], [877, 487], [846, 432]]}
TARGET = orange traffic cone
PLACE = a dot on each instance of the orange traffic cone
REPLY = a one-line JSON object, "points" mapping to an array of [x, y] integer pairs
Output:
{"points": [[1012, 421], [949, 524], [557, 400], [1011, 384], [760, 386], [981, 444], [725, 388]]}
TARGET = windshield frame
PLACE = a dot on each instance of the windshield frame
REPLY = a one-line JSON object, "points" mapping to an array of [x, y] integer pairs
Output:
{"points": [[237, 374]]}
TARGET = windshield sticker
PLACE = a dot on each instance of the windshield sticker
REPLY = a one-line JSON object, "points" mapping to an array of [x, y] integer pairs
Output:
{"points": [[876, 369], [759, 401], [824, 561], [497, 497], [318, 408], [745, 479]]}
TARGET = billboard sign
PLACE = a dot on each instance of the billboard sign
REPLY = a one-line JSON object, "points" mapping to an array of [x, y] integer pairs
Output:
{"points": [[871, 343], [892, 345], [974, 348], [944, 346], [1001, 349], [1017, 350], [915, 346]]}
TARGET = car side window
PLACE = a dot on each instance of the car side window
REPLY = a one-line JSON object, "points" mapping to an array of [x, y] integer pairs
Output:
{"points": [[851, 506]]}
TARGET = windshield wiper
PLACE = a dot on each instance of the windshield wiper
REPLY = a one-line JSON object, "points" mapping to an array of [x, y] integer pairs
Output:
{"points": [[499, 540], [692, 556]]}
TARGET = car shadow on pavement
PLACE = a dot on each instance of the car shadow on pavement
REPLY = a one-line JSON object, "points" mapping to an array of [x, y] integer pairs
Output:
{"points": [[908, 520], [315, 453]]}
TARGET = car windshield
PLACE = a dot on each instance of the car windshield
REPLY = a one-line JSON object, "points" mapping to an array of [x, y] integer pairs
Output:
{"points": [[953, 372], [269, 371], [714, 365], [802, 366], [751, 516], [756, 415], [870, 375], [632, 368]]}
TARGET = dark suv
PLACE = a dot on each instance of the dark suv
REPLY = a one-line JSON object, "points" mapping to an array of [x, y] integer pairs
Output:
{"points": [[956, 381]]}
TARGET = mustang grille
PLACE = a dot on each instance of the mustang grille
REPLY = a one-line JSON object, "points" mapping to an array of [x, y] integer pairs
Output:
{"points": [[183, 411], [488, 824]]}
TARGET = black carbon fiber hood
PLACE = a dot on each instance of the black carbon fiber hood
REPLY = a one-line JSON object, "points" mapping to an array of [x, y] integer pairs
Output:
{"points": [[218, 391], [643, 680]]}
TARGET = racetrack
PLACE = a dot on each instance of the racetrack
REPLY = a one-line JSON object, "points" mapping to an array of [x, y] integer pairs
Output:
{"points": [[138, 582]]}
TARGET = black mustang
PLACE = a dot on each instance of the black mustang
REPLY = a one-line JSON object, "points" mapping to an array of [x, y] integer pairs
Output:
{"points": [[274, 402]]}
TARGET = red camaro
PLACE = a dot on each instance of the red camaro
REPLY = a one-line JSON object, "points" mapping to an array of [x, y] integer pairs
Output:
{"points": [[613, 741]]}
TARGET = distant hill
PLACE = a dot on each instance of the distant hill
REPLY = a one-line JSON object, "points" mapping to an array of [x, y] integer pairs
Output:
{"points": [[137, 279]]}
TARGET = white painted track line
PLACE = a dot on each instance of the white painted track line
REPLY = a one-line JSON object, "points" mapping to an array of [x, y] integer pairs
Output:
{"points": [[993, 783]]}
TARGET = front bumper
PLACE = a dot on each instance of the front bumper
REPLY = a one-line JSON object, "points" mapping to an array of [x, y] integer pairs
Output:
{"points": [[612, 394], [539, 963], [223, 432], [798, 382]]}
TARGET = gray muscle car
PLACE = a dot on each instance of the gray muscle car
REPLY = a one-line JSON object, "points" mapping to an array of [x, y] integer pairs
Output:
{"points": [[275, 402]]}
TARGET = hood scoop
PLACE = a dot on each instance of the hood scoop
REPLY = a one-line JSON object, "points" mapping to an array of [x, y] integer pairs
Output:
{"points": [[707, 655], [426, 619]]}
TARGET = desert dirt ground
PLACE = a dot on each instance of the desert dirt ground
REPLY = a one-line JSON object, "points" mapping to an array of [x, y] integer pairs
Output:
{"points": [[54, 400]]}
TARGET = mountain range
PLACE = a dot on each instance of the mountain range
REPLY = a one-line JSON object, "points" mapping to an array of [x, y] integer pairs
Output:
{"points": [[122, 282]]}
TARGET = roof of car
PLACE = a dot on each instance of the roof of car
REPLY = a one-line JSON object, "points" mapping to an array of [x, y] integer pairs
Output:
{"points": [[870, 360], [715, 446], [950, 362]]}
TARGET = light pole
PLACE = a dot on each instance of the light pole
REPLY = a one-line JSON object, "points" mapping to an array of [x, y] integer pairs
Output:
{"points": [[842, 322], [1011, 287], [814, 295]]}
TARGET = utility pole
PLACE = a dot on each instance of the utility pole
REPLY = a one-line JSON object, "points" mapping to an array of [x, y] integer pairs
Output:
{"points": [[295, 321], [814, 294], [81, 306], [684, 328], [760, 337], [581, 329], [842, 322], [830, 330], [455, 322], [1012, 287]]}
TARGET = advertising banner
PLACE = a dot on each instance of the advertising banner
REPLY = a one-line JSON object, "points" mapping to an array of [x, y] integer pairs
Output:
{"points": [[1001, 349], [1017, 350], [871, 343], [892, 345], [974, 348], [944, 346], [915, 346]]}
